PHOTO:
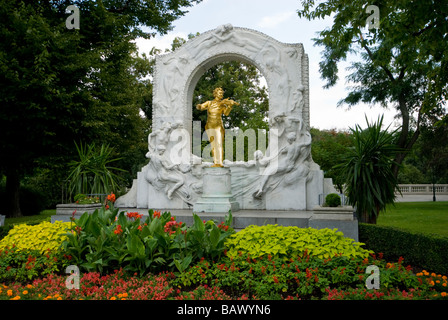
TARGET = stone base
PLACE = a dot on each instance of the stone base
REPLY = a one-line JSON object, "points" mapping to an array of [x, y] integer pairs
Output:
{"points": [[218, 204], [216, 192], [65, 211], [2, 220], [333, 213], [341, 218]]}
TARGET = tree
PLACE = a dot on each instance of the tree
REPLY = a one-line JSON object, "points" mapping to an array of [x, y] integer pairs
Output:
{"points": [[327, 149], [367, 167], [403, 63], [59, 85]]}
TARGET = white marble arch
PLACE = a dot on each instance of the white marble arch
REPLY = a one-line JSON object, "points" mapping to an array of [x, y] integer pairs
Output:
{"points": [[285, 68]]}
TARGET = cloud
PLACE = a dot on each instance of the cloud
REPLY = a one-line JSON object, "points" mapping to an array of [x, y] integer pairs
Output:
{"points": [[275, 20]]}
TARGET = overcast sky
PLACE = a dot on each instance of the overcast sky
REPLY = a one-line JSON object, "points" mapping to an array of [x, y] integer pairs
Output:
{"points": [[279, 20]]}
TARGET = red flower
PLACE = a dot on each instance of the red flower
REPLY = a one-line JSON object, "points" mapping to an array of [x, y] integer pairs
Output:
{"points": [[222, 226], [172, 226], [118, 229], [156, 214], [134, 215]]}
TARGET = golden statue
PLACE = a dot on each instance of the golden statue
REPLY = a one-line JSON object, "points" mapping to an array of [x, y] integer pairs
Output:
{"points": [[214, 127]]}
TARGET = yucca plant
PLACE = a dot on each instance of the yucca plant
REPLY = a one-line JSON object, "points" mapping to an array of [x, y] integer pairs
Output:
{"points": [[367, 167], [92, 173]]}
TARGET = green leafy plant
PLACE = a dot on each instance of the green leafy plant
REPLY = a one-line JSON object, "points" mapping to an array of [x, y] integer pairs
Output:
{"points": [[108, 239], [287, 242], [92, 172], [371, 183], [333, 200], [23, 265], [84, 199]]}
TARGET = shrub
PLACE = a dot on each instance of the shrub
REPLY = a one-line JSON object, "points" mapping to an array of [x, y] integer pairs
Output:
{"points": [[40, 237], [424, 251], [307, 277], [289, 242], [24, 265], [32, 200], [84, 199], [333, 200], [107, 239]]}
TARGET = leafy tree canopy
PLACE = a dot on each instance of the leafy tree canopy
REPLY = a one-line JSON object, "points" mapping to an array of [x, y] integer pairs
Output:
{"points": [[402, 64], [59, 85]]}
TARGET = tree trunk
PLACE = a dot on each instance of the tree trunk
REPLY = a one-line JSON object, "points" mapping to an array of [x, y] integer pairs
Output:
{"points": [[12, 193]]}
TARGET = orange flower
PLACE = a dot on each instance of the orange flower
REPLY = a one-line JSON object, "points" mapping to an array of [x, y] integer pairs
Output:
{"points": [[443, 294], [156, 214], [111, 197], [9, 293]]}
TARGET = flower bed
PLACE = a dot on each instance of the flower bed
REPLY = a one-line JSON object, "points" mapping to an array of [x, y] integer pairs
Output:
{"points": [[122, 256]]}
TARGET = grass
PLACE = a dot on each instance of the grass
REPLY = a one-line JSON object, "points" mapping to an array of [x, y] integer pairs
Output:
{"points": [[422, 217], [45, 215]]}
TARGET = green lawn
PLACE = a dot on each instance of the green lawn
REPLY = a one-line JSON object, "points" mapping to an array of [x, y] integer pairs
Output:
{"points": [[43, 216], [423, 217]]}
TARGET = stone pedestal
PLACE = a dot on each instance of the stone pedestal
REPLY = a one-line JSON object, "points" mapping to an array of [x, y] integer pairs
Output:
{"points": [[341, 218], [216, 192], [65, 211]]}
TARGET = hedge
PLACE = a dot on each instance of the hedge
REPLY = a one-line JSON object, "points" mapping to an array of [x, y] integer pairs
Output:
{"points": [[429, 252]]}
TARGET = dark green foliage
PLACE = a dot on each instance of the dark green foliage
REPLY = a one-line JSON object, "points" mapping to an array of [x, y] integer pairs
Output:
{"points": [[418, 250], [401, 65], [333, 200], [59, 85], [327, 149], [32, 200], [370, 180]]}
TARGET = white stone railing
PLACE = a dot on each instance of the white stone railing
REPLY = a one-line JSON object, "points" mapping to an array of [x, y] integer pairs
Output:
{"points": [[423, 188]]}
